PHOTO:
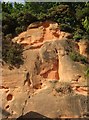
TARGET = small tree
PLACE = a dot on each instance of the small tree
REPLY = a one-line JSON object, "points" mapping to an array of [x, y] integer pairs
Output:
{"points": [[12, 53]]}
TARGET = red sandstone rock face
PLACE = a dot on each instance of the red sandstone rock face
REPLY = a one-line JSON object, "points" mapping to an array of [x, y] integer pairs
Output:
{"points": [[50, 72], [84, 48], [54, 80], [39, 33]]}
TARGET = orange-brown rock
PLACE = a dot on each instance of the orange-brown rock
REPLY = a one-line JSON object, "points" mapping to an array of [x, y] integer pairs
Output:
{"points": [[49, 82], [84, 48], [40, 32]]}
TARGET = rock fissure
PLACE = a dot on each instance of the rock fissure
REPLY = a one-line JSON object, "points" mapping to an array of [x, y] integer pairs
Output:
{"points": [[24, 106]]}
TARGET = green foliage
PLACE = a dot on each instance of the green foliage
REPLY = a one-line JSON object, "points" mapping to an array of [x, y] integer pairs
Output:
{"points": [[12, 52], [25, 18], [77, 37], [68, 15], [0, 16], [85, 23], [78, 58], [78, 34], [71, 17], [8, 24], [66, 28], [18, 30], [82, 16], [87, 72]]}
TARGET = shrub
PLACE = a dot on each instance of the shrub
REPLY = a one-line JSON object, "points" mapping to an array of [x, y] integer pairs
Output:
{"points": [[87, 72], [12, 53], [78, 58], [77, 37], [18, 30], [66, 28]]}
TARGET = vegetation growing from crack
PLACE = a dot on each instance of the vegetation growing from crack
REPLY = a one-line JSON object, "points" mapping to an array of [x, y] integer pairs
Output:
{"points": [[63, 88], [75, 56], [87, 72]]}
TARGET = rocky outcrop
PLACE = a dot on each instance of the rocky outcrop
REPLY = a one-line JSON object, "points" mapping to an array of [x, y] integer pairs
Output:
{"points": [[49, 82], [39, 32], [84, 48]]}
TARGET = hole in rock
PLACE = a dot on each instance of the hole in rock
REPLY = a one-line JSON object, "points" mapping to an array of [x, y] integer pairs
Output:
{"points": [[38, 86], [9, 97], [40, 83], [21, 39], [56, 35], [12, 112], [7, 106]]}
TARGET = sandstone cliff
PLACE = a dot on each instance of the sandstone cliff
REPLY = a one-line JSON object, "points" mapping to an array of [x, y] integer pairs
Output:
{"points": [[49, 82]]}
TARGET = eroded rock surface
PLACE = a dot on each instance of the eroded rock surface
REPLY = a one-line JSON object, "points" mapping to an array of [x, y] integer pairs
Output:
{"points": [[37, 33], [49, 82], [84, 48]]}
